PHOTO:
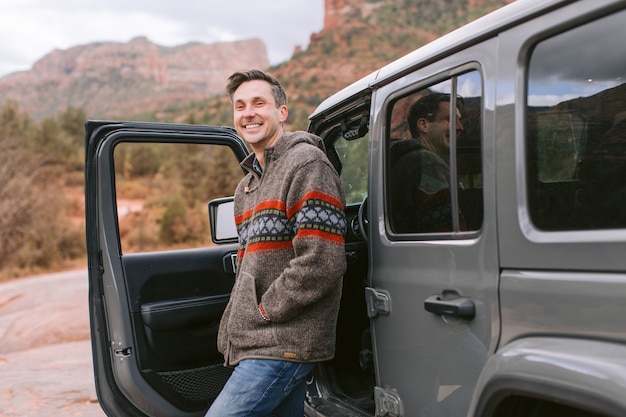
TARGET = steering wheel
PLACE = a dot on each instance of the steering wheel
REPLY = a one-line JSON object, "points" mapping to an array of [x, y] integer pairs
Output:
{"points": [[363, 221]]}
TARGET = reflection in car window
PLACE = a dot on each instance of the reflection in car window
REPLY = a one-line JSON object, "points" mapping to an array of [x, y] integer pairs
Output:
{"points": [[434, 170], [162, 191], [576, 133]]}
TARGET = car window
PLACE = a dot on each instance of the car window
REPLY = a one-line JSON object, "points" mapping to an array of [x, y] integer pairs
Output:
{"points": [[352, 155], [162, 191], [434, 170], [576, 128]]}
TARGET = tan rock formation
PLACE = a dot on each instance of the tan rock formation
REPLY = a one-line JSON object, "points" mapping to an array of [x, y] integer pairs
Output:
{"points": [[110, 79]]}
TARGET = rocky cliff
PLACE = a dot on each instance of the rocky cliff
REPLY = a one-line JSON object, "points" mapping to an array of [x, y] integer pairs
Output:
{"points": [[111, 79], [338, 11], [141, 80]]}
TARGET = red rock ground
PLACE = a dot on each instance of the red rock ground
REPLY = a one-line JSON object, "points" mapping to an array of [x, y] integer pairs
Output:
{"points": [[45, 352]]}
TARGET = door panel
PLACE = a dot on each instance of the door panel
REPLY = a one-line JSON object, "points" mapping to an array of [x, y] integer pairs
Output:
{"points": [[176, 311], [440, 276], [158, 286]]}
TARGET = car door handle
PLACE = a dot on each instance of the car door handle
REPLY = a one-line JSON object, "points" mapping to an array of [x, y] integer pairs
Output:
{"points": [[445, 305]]}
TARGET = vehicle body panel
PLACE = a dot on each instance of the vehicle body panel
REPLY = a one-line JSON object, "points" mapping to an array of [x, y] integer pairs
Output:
{"points": [[585, 374]]}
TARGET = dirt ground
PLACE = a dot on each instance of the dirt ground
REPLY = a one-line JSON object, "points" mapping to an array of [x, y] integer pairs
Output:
{"points": [[45, 352]]}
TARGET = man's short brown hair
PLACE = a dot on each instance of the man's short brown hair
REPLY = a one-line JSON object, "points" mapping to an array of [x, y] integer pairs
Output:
{"points": [[238, 78]]}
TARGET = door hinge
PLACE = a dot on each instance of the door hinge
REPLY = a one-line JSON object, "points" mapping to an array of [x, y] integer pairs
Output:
{"points": [[378, 301], [388, 403]]}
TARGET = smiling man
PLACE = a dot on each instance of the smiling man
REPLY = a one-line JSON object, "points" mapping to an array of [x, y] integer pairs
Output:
{"points": [[281, 317], [259, 112]]}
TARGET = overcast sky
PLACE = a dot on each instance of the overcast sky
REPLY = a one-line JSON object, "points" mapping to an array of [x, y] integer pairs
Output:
{"points": [[29, 29]]}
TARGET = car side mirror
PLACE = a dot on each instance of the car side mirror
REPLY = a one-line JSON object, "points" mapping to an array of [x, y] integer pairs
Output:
{"points": [[222, 220]]}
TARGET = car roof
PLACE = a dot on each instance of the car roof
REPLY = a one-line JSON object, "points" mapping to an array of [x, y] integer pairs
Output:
{"points": [[473, 32]]}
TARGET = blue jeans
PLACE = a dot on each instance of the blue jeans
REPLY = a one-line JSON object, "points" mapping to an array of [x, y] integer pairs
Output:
{"points": [[263, 388]]}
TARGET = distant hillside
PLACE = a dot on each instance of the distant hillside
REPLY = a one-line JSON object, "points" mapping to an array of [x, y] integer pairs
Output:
{"points": [[359, 36], [111, 79], [141, 80]]}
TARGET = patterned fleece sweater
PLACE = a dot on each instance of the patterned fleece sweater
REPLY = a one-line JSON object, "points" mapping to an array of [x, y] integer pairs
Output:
{"points": [[291, 258]]}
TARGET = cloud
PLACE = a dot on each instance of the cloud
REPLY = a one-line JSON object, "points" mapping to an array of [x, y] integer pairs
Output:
{"points": [[32, 28]]}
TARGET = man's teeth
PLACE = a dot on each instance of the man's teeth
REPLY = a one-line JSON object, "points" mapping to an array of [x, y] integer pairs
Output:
{"points": [[252, 126]]}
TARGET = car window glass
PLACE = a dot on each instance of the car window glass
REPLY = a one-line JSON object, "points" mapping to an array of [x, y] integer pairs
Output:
{"points": [[576, 128], [434, 169], [352, 155], [162, 191]]}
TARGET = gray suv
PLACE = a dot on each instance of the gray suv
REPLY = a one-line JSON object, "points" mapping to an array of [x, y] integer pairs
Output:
{"points": [[487, 241]]}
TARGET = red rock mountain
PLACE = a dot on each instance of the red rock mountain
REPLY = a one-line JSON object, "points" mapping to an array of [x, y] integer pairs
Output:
{"points": [[142, 80], [110, 78]]}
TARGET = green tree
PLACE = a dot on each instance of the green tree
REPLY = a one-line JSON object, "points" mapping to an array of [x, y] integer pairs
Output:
{"points": [[224, 173], [204, 172], [72, 121], [143, 160], [173, 221], [12, 121], [35, 232]]}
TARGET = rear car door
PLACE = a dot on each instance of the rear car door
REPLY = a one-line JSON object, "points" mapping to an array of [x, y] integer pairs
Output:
{"points": [[434, 266], [157, 283]]}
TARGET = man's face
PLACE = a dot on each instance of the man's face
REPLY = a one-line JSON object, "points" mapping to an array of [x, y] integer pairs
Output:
{"points": [[437, 131], [256, 118]]}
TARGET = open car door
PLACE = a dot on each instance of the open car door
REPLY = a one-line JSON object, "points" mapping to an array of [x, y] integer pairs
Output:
{"points": [[158, 284]]}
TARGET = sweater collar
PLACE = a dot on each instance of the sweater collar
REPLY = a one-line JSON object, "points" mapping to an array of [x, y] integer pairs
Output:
{"points": [[284, 143]]}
